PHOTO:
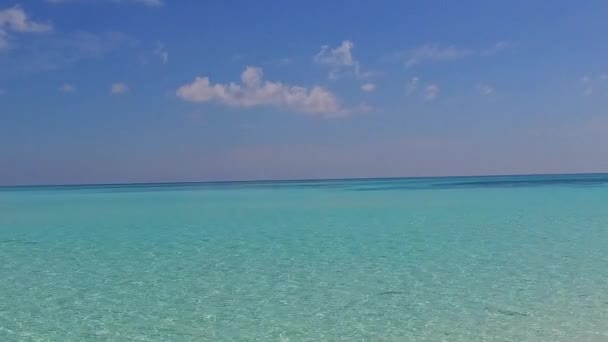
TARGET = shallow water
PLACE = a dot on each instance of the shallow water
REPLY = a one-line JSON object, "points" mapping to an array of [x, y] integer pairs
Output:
{"points": [[520, 258]]}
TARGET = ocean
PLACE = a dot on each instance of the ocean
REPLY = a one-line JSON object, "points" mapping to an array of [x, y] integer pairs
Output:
{"points": [[501, 258]]}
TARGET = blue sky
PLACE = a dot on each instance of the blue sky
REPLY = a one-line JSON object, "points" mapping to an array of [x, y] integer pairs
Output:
{"points": [[159, 90]]}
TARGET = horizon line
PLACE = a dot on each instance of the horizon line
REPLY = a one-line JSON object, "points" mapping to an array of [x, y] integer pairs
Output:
{"points": [[289, 180]]}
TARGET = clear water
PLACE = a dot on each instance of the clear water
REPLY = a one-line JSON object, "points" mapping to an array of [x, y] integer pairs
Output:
{"points": [[448, 259]]}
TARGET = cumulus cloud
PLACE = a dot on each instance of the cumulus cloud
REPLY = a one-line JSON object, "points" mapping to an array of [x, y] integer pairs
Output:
{"points": [[340, 56], [119, 88], [340, 60], [67, 88], [486, 90], [255, 91], [162, 52], [368, 87], [431, 92], [15, 19]]}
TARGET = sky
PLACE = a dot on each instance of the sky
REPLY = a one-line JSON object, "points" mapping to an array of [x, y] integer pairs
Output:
{"points": [[112, 91]]}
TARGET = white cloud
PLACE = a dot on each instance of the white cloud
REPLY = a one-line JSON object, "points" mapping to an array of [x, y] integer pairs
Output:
{"points": [[119, 88], [162, 52], [368, 87], [67, 88], [15, 19], [340, 60], [254, 91], [431, 92], [486, 90], [252, 77], [427, 91], [337, 57], [412, 85]]}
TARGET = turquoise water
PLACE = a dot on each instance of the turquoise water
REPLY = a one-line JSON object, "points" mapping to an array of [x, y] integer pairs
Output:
{"points": [[447, 259]]}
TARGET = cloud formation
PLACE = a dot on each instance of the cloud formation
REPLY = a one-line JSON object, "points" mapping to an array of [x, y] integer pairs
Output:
{"points": [[431, 92], [119, 88], [255, 91], [340, 56], [591, 83], [486, 90], [15, 19], [340, 60], [368, 87], [162, 53], [412, 85], [427, 91]]}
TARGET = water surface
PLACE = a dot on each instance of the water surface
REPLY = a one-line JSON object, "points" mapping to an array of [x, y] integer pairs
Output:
{"points": [[510, 258]]}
